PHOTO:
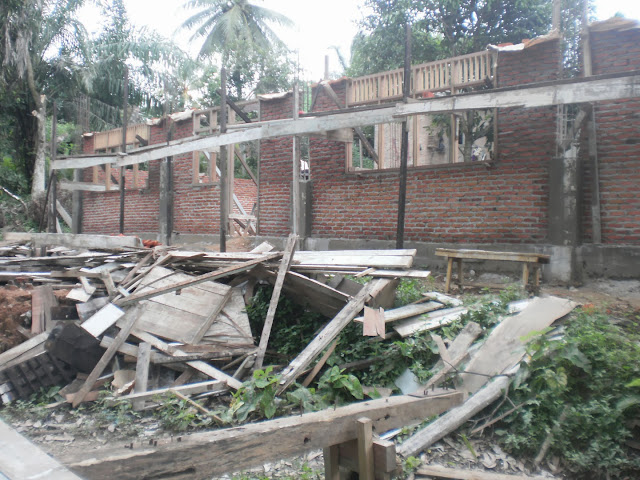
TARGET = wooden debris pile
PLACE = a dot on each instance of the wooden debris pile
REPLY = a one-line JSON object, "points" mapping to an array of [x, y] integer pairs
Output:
{"points": [[127, 307]]}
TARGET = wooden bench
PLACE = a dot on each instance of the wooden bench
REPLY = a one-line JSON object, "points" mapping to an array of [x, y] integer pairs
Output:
{"points": [[530, 263]]}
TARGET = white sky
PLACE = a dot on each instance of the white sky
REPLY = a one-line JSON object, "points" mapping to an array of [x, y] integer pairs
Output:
{"points": [[319, 24]]}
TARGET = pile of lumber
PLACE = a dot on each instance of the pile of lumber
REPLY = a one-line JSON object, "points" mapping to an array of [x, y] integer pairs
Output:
{"points": [[129, 310]]}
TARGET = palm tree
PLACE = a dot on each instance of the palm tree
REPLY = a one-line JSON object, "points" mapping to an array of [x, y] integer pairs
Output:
{"points": [[234, 28]]}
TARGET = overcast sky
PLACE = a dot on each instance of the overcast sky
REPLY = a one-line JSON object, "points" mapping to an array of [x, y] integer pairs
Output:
{"points": [[319, 24]]}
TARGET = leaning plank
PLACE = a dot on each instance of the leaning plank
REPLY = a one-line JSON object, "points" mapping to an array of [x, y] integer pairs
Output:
{"points": [[102, 320], [71, 240], [428, 321], [457, 352], [222, 272], [21, 459], [142, 372], [407, 311], [505, 346], [440, 471], [330, 332], [131, 316], [197, 364], [451, 420], [275, 296], [213, 453], [23, 348], [442, 298]]}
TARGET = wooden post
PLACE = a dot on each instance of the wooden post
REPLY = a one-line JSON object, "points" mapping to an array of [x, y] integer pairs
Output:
{"points": [[404, 148], [295, 185], [557, 14], [224, 174], [123, 148], [331, 462], [166, 195], [364, 428]]}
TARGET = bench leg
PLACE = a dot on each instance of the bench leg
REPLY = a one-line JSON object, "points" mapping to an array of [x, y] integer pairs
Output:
{"points": [[525, 275], [449, 268], [536, 279], [331, 463], [459, 260]]}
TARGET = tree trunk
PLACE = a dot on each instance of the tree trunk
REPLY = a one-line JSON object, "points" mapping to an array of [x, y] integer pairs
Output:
{"points": [[38, 179]]}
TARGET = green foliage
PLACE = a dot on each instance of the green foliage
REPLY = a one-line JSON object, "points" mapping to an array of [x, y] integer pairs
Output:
{"points": [[340, 386], [296, 325], [256, 396], [441, 29], [408, 291], [11, 178], [177, 415], [580, 378]]}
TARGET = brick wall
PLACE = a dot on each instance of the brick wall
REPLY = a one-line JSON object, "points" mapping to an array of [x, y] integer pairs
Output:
{"points": [[196, 207], [275, 171], [471, 203], [618, 140]]}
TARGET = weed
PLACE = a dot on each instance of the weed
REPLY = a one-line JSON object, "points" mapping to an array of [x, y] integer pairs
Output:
{"points": [[584, 374], [256, 396], [177, 415]]}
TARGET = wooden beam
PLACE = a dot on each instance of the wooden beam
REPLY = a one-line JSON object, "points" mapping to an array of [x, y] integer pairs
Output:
{"points": [[70, 240], [245, 165], [78, 186], [330, 332], [275, 297], [559, 92], [213, 453], [221, 272]]}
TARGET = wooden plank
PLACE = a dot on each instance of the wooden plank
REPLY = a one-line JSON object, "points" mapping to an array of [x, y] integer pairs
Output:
{"points": [[86, 310], [64, 214], [457, 352], [364, 430], [441, 471], [189, 389], [275, 296], [442, 298], [220, 273], [21, 459], [70, 240], [102, 320], [454, 418], [318, 366], [505, 346], [407, 311], [489, 255], [23, 348], [131, 317], [373, 324], [329, 332], [86, 186], [208, 454], [142, 372], [399, 273], [429, 321], [42, 300], [198, 365]]}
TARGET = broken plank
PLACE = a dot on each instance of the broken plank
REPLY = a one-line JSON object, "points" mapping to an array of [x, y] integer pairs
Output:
{"points": [[102, 320], [23, 348], [142, 372], [504, 347], [131, 316], [222, 272], [407, 311], [196, 364], [373, 324], [457, 352], [208, 454], [88, 309], [429, 321], [442, 298], [275, 296], [330, 332], [441, 471]]}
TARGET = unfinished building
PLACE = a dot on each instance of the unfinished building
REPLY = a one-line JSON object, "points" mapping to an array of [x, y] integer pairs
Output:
{"points": [[503, 155]]}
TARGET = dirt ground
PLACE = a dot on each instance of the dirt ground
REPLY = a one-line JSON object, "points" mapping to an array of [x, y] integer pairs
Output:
{"points": [[14, 302]]}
